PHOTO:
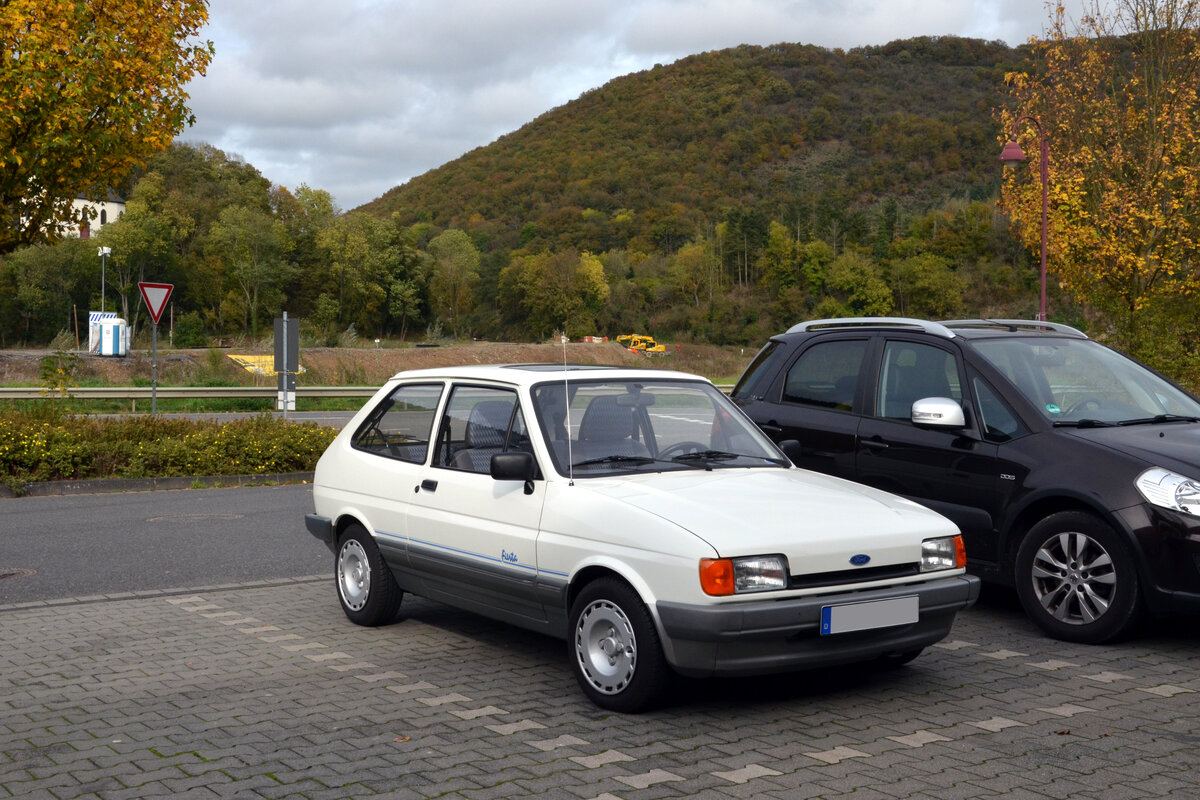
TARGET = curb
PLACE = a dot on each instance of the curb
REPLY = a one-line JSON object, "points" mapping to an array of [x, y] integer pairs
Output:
{"points": [[109, 485]]}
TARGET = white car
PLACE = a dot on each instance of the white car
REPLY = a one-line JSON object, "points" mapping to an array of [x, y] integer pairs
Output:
{"points": [[639, 515]]}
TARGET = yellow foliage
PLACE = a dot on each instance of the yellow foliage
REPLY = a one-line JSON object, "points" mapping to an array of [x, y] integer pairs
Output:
{"points": [[92, 90]]}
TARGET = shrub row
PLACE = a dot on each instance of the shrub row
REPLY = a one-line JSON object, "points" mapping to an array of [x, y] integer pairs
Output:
{"points": [[49, 445]]}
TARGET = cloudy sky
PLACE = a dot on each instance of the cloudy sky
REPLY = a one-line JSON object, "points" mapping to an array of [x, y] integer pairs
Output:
{"points": [[358, 96]]}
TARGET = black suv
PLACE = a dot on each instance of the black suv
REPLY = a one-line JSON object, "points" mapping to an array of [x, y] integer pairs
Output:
{"points": [[1073, 471]]}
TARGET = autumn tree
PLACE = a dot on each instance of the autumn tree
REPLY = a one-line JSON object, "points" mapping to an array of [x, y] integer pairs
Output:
{"points": [[1116, 97], [88, 91]]}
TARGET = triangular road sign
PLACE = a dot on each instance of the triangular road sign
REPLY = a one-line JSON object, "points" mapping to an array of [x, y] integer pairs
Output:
{"points": [[155, 295]]}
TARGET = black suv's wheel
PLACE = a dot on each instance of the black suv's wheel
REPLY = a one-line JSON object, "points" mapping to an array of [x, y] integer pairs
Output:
{"points": [[1076, 579], [614, 647], [366, 587]]}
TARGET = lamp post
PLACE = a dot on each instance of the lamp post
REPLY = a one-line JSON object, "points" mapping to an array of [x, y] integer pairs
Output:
{"points": [[1010, 156], [104, 253]]}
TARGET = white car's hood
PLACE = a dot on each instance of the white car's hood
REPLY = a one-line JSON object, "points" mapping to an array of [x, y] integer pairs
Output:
{"points": [[817, 521]]}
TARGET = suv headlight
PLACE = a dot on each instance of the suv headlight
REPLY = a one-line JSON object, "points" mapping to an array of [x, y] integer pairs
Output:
{"points": [[947, 552], [1171, 490], [726, 576]]}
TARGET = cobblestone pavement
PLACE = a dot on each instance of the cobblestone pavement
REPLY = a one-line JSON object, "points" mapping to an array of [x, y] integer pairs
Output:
{"points": [[268, 691]]}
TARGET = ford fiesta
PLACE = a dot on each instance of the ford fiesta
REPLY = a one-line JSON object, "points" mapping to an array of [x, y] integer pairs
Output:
{"points": [[637, 514]]}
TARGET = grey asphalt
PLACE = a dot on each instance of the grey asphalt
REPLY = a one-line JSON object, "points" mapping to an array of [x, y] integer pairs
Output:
{"points": [[263, 689], [104, 544]]}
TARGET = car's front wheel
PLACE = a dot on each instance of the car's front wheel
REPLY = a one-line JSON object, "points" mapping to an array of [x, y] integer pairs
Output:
{"points": [[366, 587], [614, 647], [1077, 580]]}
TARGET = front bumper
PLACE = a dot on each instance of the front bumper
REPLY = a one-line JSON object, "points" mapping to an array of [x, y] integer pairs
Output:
{"points": [[762, 636]]}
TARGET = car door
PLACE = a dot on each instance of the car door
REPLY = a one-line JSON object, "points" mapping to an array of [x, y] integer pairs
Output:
{"points": [[473, 539], [952, 471], [391, 447], [814, 402]]}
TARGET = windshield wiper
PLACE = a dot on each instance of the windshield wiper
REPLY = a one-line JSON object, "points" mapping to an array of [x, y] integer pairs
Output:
{"points": [[615, 459], [1158, 419], [1082, 423]]}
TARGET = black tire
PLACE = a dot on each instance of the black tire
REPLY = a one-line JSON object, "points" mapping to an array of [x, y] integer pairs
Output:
{"points": [[614, 648], [366, 587], [1077, 580]]}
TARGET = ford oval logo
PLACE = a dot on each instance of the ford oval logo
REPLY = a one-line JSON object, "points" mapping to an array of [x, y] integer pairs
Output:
{"points": [[860, 560]]}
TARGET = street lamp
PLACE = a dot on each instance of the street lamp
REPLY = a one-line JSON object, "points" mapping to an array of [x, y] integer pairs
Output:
{"points": [[1010, 156], [104, 253]]}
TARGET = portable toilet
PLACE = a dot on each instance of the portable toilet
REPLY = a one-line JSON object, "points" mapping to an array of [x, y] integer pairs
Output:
{"points": [[114, 337]]}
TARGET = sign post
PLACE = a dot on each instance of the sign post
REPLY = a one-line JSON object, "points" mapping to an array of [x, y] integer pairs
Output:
{"points": [[287, 361], [155, 296]]}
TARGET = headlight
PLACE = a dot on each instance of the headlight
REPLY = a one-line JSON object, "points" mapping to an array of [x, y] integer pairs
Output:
{"points": [[725, 576], [1170, 490], [948, 552]]}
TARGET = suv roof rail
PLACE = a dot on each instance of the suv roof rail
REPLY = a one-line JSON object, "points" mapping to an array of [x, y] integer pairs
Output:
{"points": [[1015, 325], [935, 328]]}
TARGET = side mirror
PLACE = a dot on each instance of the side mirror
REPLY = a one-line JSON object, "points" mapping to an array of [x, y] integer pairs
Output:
{"points": [[938, 412], [793, 450], [515, 466]]}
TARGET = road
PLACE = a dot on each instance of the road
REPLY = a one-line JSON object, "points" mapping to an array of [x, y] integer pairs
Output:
{"points": [[101, 544]]}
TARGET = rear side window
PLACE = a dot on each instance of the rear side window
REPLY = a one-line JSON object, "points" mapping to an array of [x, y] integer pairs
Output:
{"points": [[826, 375], [400, 426]]}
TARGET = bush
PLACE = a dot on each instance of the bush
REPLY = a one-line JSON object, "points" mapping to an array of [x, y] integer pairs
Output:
{"points": [[189, 331], [45, 445]]}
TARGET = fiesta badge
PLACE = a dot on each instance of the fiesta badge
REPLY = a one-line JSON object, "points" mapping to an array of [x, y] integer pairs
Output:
{"points": [[860, 560]]}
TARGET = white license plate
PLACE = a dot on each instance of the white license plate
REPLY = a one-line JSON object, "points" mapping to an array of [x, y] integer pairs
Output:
{"points": [[871, 614]]}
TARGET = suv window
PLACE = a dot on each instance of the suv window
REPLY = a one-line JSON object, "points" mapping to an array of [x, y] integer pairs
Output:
{"points": [[911, 372], [826, 375], [399, 427], [756, 372]]}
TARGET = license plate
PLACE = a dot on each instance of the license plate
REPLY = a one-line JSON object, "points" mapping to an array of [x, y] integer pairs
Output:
{"points": [[871, 614]]}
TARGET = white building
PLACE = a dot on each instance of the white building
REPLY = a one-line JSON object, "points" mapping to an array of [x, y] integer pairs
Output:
{"points": [[105, 211]]}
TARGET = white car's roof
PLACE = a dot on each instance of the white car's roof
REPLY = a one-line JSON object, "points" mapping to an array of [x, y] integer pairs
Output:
{"points": [[530, 374]]}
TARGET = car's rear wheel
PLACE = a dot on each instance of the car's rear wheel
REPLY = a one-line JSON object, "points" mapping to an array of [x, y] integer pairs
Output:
{"points": [[366, 587], [1077, 580], [614, 647]]}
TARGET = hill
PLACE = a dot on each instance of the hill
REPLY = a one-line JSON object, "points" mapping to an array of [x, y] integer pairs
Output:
{"points": [[814, 137]]}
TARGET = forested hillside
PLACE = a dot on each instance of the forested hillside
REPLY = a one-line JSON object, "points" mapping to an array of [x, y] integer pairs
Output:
{"points": [[813, 138], [717, 199]]}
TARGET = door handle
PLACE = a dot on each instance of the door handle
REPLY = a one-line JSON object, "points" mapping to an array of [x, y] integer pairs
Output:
{"points": [[770, 427], [875, 444], [429, 485]]}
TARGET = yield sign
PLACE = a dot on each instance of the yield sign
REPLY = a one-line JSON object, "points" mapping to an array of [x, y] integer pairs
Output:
{"points": [[155, 295]]}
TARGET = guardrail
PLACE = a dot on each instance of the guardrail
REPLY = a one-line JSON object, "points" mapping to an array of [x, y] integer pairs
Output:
{"points": [[195, 392], [180, 392]]}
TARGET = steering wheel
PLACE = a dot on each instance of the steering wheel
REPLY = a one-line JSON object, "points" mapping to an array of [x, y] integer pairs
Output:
{"points": [[1082, 404], [679, 448]]}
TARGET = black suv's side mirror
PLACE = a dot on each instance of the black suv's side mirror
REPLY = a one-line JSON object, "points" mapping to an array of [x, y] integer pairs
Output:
{"points": [[792, 449], [938, 412]]}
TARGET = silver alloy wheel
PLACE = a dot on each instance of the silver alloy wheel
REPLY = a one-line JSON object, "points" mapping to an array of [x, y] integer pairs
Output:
{"points": [[606, 646], [354, 575], [1074, 578]]}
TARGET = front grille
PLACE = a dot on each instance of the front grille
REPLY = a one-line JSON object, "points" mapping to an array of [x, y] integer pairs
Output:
{"points": [[864, 575]]}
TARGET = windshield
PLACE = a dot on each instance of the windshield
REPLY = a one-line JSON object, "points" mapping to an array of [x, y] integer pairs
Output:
{"points": [[1081, 382], [624, 426]]}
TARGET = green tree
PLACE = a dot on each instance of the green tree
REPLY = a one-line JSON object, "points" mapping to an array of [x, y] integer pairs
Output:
{"points": [[252, 245], [455, 275], [88, 92], [854, 287]]}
